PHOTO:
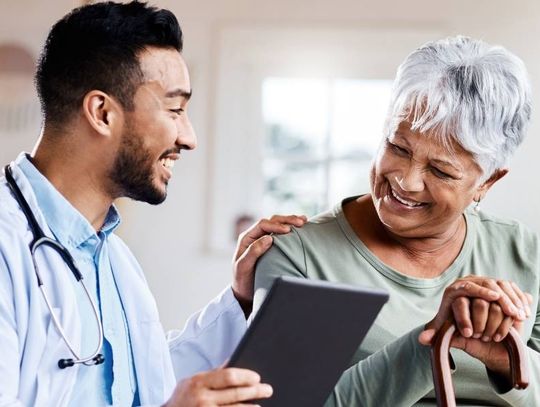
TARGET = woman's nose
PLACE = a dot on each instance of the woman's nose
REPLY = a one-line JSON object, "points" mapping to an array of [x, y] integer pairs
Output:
{"points": [[411, 179]]}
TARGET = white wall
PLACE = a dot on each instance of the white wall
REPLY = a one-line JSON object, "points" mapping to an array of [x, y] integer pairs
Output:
{"points": [[171, 241]]}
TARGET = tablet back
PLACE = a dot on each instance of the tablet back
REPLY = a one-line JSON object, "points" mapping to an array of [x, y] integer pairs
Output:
{"points": [[304, 336]]}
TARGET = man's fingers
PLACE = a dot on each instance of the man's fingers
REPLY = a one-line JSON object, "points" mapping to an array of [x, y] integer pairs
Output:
{"points": [[277, 224], [252, 244], [233, 385], [296, 220], [281, 225], [259, 229], [250, 256], [462, 317], [230, 377], [243, 405], [224, 386], [239, 394]]}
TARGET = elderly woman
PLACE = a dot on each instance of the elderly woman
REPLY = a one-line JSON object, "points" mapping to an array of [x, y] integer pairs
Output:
{"points": [[458, 111]]}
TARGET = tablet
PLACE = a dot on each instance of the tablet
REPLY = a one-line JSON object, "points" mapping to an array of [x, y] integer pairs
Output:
{"points": [[304, 336]]}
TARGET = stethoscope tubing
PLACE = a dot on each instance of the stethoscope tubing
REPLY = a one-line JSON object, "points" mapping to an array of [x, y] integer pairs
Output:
{"points": [[39, 239]]}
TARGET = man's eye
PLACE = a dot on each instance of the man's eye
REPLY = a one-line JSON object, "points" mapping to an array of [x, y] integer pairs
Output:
{"points": [[177, 111]]}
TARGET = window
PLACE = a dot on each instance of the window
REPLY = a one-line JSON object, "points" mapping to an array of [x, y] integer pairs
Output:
{"points": [[298, 117], [320, 138]]}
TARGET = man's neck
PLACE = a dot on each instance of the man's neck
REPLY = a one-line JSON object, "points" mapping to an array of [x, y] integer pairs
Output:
{"points": [[76, 179]]}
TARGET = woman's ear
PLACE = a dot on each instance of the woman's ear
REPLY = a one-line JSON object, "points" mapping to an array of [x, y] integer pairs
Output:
{"points": [[101, 112], [484, 188]]}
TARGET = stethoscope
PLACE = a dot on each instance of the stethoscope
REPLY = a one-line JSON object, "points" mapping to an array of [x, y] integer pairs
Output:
{"points": [[40, 239]]}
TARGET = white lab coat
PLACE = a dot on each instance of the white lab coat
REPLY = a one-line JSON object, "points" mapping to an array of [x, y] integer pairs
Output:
{"points": [[31, 346]]}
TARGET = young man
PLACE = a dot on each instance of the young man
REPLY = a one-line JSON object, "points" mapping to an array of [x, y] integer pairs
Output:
{"points": [[114, 89]]}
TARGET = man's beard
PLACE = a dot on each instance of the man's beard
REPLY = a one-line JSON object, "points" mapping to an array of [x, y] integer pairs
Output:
{"points": [[132, 172]]}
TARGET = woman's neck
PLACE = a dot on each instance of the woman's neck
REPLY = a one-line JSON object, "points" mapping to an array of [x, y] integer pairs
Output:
{"points": [[432, 245], [425, 257]]}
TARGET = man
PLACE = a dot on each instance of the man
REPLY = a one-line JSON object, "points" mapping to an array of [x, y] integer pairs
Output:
{"points": [[114, 90]]}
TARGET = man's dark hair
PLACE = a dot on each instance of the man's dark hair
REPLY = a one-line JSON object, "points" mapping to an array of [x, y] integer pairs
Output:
{"points": [[96, 47]]}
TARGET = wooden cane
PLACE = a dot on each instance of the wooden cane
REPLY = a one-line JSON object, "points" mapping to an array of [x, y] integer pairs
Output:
{"points": [[440, 363]]}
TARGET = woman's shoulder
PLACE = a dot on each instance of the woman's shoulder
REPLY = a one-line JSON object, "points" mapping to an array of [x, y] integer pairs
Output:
{"points": [[501, 227], [317, 231], [498, 236]]}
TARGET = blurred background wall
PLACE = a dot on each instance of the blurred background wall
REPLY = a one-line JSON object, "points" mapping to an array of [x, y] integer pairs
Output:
{"points": [[252, 62]]}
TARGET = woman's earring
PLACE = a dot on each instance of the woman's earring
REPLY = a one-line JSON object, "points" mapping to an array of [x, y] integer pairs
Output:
{"points": [[477, 205]]}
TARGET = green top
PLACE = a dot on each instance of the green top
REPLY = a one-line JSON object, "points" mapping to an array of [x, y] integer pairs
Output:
{"points": [[390, 367]]}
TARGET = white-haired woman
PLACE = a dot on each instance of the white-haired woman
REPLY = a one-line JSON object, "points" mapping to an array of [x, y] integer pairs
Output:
{"points": [[459, 109]]}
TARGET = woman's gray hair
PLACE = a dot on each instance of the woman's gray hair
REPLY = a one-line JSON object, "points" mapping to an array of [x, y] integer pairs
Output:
{"points": [[467, 90]]}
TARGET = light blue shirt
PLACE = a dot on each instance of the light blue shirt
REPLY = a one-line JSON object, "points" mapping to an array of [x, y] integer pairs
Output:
{"points": [[115, 379], [30, 343]]}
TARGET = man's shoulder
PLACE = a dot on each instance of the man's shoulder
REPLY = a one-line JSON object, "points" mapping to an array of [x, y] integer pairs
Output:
{"points": [[12, 220], [14, 239]]}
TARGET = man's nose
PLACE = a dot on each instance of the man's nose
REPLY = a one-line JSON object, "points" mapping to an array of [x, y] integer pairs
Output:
{"points": [[187, 138]]}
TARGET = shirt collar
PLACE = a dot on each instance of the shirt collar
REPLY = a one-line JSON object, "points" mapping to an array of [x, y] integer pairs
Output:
{"points": [[67, 224]]}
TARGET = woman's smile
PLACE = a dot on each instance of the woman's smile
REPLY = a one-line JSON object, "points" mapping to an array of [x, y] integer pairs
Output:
{"points": [[402, 202]]}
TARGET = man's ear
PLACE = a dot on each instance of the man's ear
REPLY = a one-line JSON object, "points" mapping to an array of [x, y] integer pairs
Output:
{"points": [[484, 188], [101, 112]]}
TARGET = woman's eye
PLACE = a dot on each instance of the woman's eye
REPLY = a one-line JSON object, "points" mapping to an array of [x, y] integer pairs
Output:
{"points": [[177, 111], [440, 174], [397, 149]]}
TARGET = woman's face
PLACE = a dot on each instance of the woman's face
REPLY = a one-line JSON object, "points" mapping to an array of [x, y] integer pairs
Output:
{"points": [[420, 188]]}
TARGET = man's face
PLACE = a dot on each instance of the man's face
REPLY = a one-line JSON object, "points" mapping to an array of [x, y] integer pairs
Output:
{"points": [[156, 130]]}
